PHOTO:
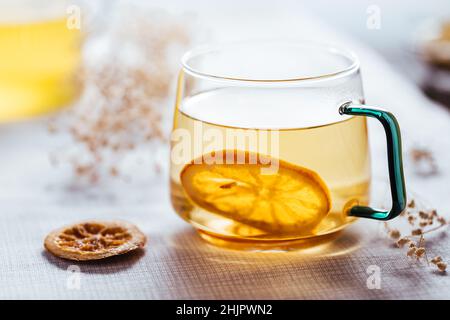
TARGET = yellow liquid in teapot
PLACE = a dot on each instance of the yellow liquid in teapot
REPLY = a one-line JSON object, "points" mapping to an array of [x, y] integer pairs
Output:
{"points": [[38, 62]]}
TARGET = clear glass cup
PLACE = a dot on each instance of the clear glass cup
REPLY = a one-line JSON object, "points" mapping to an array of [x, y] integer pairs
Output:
{"points": [[269, 147]]}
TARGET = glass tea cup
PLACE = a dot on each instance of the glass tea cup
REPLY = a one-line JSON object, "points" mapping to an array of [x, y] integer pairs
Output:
{"points": [[269, 147]]}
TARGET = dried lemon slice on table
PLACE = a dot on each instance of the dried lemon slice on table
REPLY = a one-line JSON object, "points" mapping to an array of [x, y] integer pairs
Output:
{"points": [[290, 200], [93, 240]]}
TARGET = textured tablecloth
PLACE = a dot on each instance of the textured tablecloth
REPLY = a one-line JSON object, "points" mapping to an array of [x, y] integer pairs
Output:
{"points": [[34, 199]]}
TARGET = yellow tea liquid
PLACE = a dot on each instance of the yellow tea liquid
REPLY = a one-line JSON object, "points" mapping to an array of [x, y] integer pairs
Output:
{"points": [[38, 61], [311, 134]]}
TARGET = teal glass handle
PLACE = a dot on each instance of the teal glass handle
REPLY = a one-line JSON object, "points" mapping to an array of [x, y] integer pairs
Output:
{"points": [[394, 151]]}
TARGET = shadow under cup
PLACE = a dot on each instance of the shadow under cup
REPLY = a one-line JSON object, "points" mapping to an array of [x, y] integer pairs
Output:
{"points": [[269, 102]]}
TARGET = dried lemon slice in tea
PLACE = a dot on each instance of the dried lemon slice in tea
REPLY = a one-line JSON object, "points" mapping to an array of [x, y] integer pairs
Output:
{"points": [[93, 240], [292, 200]]}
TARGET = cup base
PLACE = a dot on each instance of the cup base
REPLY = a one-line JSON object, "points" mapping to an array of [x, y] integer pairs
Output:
{"points": [[271, 245]]}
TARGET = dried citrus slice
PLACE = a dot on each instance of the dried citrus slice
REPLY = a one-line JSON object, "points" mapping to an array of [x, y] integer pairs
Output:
{"points": [[93, 240], [291, 200]]}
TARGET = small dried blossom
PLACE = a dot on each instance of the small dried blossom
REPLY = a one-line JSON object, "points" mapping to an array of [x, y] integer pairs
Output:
{"points": [[402, 242], [423, 215], [411, 251], [423, 224], [436, 259], [420, 252], [442, 266], [395, 234]]}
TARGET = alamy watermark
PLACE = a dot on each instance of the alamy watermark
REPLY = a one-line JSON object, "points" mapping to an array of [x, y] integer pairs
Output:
{"points": [[213, 146], [73, 17], [373, 281], [373, 21], [73, 281]]}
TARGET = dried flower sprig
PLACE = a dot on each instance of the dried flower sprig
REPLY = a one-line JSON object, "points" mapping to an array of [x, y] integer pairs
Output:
{"points": [[121, 107], [421, 222]]}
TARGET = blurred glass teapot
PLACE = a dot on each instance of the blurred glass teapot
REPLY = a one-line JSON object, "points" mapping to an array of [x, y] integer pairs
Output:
{"points": [[40, 53]]}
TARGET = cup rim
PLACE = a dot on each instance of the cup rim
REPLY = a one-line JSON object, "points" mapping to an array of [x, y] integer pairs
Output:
{"points": [[353, 66]]}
